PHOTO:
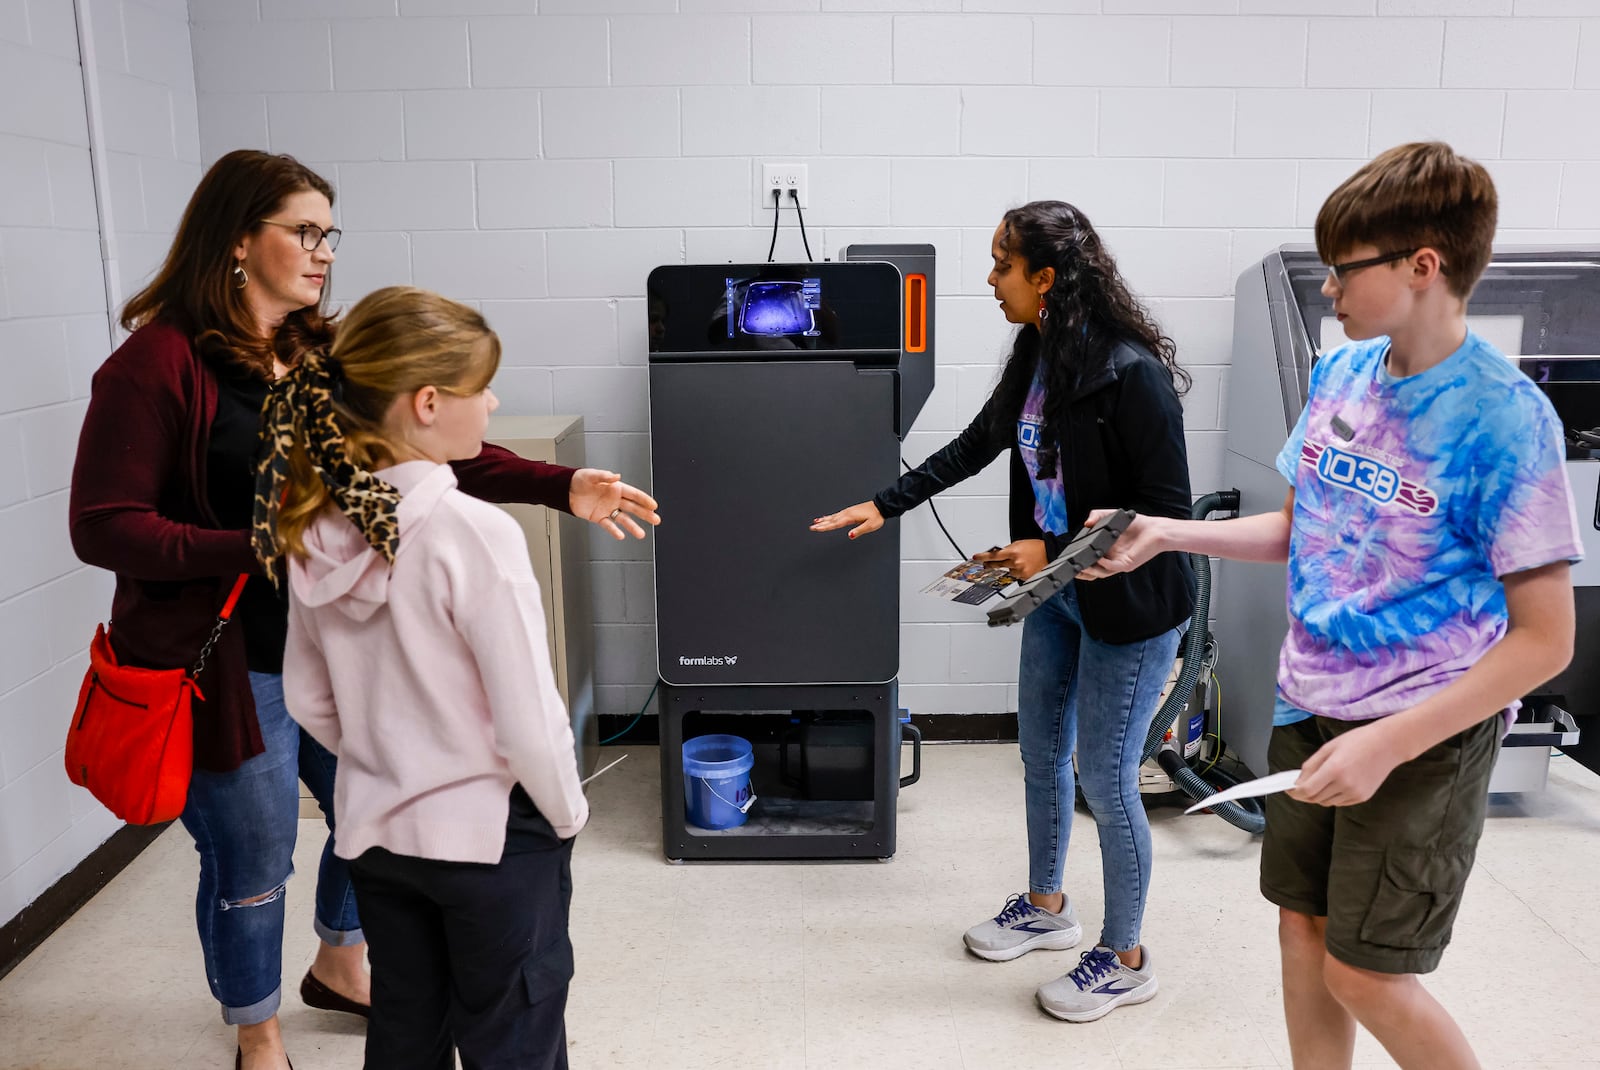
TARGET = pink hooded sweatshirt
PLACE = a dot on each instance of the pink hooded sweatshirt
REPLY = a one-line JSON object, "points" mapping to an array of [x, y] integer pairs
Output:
{"points": [[430, 680]]}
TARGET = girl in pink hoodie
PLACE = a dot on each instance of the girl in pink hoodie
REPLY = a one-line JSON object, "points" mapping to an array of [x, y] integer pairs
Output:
{"points": [[417, 654]]}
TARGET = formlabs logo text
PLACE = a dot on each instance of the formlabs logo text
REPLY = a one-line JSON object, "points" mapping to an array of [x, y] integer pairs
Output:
{"points": [[724, 659]]}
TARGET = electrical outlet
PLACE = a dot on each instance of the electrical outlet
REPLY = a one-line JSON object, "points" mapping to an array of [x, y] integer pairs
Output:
{"points": [[783, 177]]}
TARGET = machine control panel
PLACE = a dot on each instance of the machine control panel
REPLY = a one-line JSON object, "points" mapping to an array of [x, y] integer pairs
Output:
{"points": [[757, 312]]}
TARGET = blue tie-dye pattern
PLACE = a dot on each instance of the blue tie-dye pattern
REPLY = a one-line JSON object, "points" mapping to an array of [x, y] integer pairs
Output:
{"points": [[1387, 606], [1049, 494]]}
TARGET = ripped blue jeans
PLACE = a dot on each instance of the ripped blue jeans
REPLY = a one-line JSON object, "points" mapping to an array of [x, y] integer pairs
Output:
{"points": [[244, 823]]}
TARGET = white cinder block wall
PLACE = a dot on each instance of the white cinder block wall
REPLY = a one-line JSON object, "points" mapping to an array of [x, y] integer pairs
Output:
{"points": [[540, 159], [54, 332]]}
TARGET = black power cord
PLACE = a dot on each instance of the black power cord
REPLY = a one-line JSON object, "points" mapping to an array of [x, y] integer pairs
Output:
{"points": [[794, 195], [777, 205], [939, 520]]}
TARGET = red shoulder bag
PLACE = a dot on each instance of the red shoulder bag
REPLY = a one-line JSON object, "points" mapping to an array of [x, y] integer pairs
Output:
{"points": [[132, 737]]}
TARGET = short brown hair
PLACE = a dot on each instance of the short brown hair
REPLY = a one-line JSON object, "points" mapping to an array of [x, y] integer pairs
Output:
{"points": [[1411, 196], [194, 290]]}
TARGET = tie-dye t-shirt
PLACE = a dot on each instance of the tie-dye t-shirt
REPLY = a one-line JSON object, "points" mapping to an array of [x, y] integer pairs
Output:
{"points": [[1411, 497], [1049, 494]]}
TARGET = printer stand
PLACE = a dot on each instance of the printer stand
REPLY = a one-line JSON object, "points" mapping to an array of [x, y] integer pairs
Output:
{"points": [[783, 824]]}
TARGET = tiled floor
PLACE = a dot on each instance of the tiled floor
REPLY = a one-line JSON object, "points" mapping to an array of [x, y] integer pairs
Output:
{"points": [[859, 965]]}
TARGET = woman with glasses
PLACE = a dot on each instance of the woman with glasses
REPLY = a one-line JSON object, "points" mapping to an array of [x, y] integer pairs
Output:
{"points": [[1087, 406], [163, 494]]}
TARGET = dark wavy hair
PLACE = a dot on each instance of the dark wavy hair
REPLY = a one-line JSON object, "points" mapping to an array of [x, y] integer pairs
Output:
{"points": [[1090, 310], [194, 288]]}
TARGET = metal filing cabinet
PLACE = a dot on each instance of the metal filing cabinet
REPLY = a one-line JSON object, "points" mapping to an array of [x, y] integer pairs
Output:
{"points": [[559, 546]]}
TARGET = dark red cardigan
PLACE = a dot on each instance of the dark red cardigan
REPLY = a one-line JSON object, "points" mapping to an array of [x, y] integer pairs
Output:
{"points": [[139, 509]]}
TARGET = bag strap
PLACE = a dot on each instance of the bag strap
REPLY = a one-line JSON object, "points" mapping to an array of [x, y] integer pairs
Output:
{"points": [[222, 621]]}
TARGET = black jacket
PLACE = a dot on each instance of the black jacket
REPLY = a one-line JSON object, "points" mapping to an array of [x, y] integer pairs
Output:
{"points": [[1124, 448]]}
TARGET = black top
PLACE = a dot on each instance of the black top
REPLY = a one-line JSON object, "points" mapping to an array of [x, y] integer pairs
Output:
{"points": [[1123, 448], [263, 613]]}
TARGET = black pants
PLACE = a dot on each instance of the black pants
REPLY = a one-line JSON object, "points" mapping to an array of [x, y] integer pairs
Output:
{"points": [[467, 957]]}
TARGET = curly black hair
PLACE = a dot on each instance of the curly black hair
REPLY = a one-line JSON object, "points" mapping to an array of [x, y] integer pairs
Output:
{"points": [[1089, 310]]}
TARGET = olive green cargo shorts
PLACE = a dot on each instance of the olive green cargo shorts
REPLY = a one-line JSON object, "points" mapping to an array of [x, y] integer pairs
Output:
{"points": [[1388, 873]]}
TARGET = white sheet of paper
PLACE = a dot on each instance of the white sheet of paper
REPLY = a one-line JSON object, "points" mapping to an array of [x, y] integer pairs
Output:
{"points": [[1251, 789], [597, 772]]}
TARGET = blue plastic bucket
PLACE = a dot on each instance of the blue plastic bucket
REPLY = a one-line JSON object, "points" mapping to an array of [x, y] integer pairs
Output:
{"points": [[716, 781]]}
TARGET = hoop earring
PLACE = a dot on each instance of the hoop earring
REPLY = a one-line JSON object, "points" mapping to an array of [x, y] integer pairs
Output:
{"points": [[240, 279], [1044, 313]]}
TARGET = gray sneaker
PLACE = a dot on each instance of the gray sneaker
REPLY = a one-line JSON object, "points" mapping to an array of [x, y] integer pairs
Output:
{"points": [[1098, 985], [1022, 927]]}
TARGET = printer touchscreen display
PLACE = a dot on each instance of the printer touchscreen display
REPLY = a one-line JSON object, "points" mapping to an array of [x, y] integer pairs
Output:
{"points": [[773, 307]]}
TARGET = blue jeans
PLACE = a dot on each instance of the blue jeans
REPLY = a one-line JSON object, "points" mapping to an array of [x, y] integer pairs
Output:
{"points": [[244, 823], [1097, 698]]}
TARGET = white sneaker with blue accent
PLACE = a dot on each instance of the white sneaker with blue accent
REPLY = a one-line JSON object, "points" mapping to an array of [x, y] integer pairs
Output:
{"points": [[1098, 985], [1021, 927]]}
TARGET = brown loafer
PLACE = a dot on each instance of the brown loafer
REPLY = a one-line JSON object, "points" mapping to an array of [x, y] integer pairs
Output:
{"points": [[316, 994]]}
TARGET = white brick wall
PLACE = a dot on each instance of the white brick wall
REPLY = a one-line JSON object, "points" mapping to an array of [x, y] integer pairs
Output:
{"points": [[714, 192], [325, 125], [681, 50], [53, 334], [967, 49], [777, 121], [1510, 54], [822, 50], [542, 52], [1364, 53], [1238, 51], [1028, 120], [410, 53], [544, 193], [542, 164], [1113, 192], [891, 121], [1469, 119], [1101, 51], [1229, 193], [1275, 123], [482, 124], [480, 265], [591, 123], [1166, 122]]}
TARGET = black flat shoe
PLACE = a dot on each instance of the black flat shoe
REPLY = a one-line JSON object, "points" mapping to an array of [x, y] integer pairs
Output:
{"points": [[316, 994], [238, 1059]]}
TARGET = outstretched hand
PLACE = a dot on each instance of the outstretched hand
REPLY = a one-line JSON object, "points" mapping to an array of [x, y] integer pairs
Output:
{"points": [[601, 497], [865, 519], [1134, 547]]}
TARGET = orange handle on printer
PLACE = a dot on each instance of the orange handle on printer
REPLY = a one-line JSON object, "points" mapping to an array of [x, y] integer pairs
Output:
{"points": [[916, 313]]}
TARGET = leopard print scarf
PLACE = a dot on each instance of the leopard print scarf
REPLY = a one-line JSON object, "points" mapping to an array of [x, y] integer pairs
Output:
{"points": [[300, 409]]}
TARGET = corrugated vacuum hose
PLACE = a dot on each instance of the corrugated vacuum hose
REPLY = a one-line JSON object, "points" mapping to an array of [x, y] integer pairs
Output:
{"points": [[1250, 818]]}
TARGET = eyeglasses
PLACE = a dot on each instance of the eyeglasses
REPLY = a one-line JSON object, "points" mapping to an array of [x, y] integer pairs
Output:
{"points": [[1339, 272], [311, 235]]}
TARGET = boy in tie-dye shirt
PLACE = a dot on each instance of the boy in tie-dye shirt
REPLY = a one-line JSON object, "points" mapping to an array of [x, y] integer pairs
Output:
{"points": [[1412, 496], [1429, 531]]}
